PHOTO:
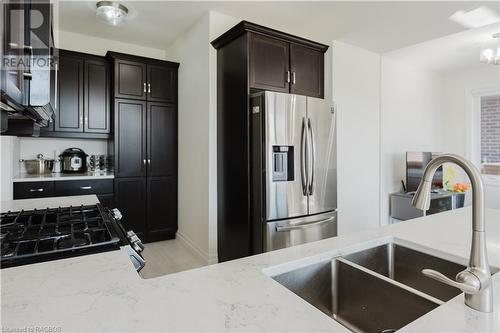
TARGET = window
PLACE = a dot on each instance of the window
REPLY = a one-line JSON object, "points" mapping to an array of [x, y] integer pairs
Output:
{"points": [[490, 129]]}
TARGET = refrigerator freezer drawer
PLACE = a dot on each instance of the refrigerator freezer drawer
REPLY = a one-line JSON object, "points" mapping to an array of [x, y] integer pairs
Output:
{"points": [[286, 233]]}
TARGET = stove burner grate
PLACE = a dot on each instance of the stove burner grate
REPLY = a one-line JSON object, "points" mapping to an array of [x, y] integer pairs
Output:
{"points": [[38, 233]]}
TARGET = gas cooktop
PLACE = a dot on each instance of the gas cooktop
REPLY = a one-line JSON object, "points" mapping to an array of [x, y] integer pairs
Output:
{"points": [[53, 233]]}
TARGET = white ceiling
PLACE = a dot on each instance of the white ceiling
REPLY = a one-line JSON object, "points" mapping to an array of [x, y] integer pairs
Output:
{"points": [[377, 26], [449, 54]]}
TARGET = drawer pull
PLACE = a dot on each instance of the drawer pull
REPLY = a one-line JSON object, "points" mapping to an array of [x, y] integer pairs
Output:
{"points": [[36, 189], [85, 187]]}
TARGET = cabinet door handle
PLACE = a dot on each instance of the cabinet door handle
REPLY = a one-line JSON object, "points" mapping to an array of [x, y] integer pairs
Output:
{"points": [[85, 187], [32, 60], [149, 88], [293, 77], [144, 86], [144, 161], [56, 84], [287, 76], [36, 189], [81, 120]]}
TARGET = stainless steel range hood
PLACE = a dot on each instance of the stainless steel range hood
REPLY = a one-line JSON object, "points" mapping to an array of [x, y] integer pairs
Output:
{"points": [[26, 91]]}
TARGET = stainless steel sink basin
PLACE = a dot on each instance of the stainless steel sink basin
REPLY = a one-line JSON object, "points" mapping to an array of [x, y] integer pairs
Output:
{"points": [[379, 289], [356, 298], [405, 265]]}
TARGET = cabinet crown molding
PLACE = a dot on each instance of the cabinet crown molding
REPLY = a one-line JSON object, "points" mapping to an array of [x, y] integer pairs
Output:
{"points": [[245, 26], [124, 56]]}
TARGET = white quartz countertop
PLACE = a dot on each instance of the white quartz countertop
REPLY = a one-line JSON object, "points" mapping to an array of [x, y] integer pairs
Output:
{"points": [[50, 202], [102, 292], [62, 176]]}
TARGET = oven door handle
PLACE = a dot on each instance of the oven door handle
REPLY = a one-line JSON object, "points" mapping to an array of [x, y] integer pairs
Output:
{"points": [[305, 225]]}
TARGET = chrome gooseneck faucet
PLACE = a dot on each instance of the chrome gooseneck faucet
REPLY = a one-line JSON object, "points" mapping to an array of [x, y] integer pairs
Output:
{"points": [[475, 281]]}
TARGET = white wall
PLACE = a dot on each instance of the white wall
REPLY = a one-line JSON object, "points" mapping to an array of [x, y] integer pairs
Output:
{"points": [[457, 105], [461, 121], [191, 49], [198, 132], [385, 108], [356, 92], [30, 147], [411, 106], [99, 46], [9, 152]]}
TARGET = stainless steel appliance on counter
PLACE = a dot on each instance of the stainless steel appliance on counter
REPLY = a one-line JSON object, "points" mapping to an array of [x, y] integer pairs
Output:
{"points": [[294, 157], [74, 160], [37, 167]]}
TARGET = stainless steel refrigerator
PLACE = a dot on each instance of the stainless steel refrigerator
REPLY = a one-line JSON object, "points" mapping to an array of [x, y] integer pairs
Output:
{"points": [[294, 170]]}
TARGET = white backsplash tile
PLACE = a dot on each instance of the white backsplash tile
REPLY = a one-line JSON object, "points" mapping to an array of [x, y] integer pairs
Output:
{"points": [[30, 147]]}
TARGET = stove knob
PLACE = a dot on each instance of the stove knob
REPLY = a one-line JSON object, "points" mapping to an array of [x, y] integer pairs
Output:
{"points": [[132, 236], [117, 214], [138, 246]]}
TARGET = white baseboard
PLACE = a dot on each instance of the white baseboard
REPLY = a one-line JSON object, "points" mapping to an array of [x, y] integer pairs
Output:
{"points": [[195, 249]]}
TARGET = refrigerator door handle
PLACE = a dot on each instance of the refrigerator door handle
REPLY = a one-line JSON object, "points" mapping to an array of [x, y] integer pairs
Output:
{"points": [[303, 167], [304, 225], [313, 156]]}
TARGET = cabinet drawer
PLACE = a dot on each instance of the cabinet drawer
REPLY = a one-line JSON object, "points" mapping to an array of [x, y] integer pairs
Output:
{"points": [[27, 190], [82, 187]]}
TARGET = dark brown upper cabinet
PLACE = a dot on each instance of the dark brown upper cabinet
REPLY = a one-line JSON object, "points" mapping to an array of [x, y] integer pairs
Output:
{"points": [[82, 96], [277, 61], [69, 106], [307, 71], [162, 84], [269, 63], [130, 79], [143, 78], [96, 96]]}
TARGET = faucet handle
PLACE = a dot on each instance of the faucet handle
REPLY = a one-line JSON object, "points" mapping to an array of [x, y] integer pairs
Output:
{"points": [[469, 283]]}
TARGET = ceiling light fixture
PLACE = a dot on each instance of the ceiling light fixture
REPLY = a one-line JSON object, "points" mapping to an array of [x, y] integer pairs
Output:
{"points": [[491, 54], [111, 12], [475, 18]]}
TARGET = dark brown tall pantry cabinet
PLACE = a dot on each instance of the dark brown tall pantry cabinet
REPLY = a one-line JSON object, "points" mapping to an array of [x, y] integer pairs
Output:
{"points": [[144, 144]]}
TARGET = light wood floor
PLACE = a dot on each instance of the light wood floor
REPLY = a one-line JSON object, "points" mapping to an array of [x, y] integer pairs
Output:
{"points": [[167, 257]]}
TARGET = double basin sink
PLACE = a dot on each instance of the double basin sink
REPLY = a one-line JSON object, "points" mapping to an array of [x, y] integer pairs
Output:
{"points": [[379, 289]]}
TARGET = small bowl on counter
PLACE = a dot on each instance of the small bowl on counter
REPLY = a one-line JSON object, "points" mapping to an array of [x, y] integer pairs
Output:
{"points": [[40, 166]]}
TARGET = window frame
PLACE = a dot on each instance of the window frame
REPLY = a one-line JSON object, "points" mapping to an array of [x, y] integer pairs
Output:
{"points": [[473, 117]]}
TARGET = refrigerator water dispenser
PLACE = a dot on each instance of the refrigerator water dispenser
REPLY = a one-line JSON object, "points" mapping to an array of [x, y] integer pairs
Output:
{"points": [[283, 163]]}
